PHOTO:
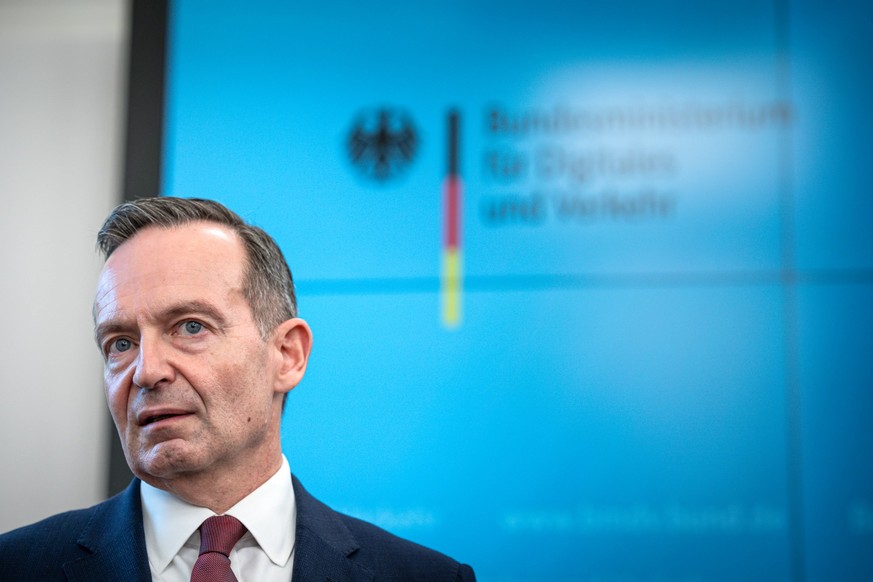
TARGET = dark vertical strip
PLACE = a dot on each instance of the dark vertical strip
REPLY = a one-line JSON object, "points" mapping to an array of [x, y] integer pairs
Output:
{"points": [[145, 99], [796, 526], [454, 127], [142, 145]]}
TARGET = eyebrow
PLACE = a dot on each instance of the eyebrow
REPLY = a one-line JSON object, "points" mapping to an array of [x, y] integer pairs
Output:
{"points": [[192, 308]]}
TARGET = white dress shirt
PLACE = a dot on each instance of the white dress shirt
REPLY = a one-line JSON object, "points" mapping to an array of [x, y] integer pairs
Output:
{"points": [[265, 552]]}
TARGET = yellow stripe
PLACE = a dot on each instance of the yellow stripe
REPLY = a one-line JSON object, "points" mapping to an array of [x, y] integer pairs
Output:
{"points": [[452, 280]]}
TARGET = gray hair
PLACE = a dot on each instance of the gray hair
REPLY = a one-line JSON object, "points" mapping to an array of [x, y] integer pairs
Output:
{"points": [[267, 283]]}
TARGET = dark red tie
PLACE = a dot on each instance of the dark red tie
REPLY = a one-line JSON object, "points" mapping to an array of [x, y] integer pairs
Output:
{"points": [[218, 536]]}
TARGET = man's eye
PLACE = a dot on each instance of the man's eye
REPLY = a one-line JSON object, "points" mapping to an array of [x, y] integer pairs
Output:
{"points": [[121, 345], [192, 327]]}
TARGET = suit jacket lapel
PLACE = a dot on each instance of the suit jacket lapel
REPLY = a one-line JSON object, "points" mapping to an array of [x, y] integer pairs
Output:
{"points": [[323, 551], [323, 545], [114, 536]]}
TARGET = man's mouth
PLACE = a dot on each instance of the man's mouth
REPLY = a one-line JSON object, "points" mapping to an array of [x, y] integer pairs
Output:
{"points": [[153, 418]]}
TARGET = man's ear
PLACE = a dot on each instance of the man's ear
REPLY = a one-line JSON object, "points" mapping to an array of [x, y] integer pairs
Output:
{"points": [[293, 342]]}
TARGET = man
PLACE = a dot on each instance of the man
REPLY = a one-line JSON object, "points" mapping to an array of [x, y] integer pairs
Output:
{"points": [[196, 318]]}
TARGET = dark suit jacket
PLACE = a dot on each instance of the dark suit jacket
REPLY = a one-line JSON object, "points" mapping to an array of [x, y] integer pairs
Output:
{"points": [[106, 542]]}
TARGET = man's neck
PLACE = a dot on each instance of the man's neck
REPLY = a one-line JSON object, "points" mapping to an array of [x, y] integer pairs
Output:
{"points": [[222, 488]]}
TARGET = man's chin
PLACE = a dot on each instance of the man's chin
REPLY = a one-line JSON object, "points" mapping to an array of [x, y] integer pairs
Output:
{"points": [[164, 461]]}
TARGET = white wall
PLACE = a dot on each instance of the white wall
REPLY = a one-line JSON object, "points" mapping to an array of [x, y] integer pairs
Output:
{"points": [[61, 104]]}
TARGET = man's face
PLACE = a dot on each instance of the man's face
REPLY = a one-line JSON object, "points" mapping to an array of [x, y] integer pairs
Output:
{"points": [[190, 383]]}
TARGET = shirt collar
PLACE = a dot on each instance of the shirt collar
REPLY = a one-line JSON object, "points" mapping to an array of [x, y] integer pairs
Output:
{"points": [[269, 513]]}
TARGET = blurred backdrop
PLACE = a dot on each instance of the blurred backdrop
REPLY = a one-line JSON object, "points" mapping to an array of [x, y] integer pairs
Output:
{"points": [[62, 78], [590, 284]]}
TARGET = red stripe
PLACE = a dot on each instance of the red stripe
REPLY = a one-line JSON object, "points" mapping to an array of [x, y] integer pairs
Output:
{"points": [[452, 191]]}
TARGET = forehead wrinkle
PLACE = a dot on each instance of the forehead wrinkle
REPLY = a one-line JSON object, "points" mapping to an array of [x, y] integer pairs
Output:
{"points": [[106, 284]]}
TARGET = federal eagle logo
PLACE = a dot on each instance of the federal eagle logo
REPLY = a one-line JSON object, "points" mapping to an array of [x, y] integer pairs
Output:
{"points": [[382, 143]]}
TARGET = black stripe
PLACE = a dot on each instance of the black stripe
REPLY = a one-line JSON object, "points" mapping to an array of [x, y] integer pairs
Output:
{"points": [[145, 99], [453, 145]]}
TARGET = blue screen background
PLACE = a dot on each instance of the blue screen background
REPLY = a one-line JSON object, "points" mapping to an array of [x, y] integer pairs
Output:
{"points": [[662, 369]]}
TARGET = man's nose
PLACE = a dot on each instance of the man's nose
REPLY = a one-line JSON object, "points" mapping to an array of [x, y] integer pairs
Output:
{"points": [[153, 369]]}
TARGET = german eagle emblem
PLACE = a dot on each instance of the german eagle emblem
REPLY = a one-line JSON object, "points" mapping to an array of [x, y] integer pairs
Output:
{"points": [[382, 143]]}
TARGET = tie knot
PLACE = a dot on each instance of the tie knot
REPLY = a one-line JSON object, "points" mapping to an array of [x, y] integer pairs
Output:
{"points": [[220, 533]]}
